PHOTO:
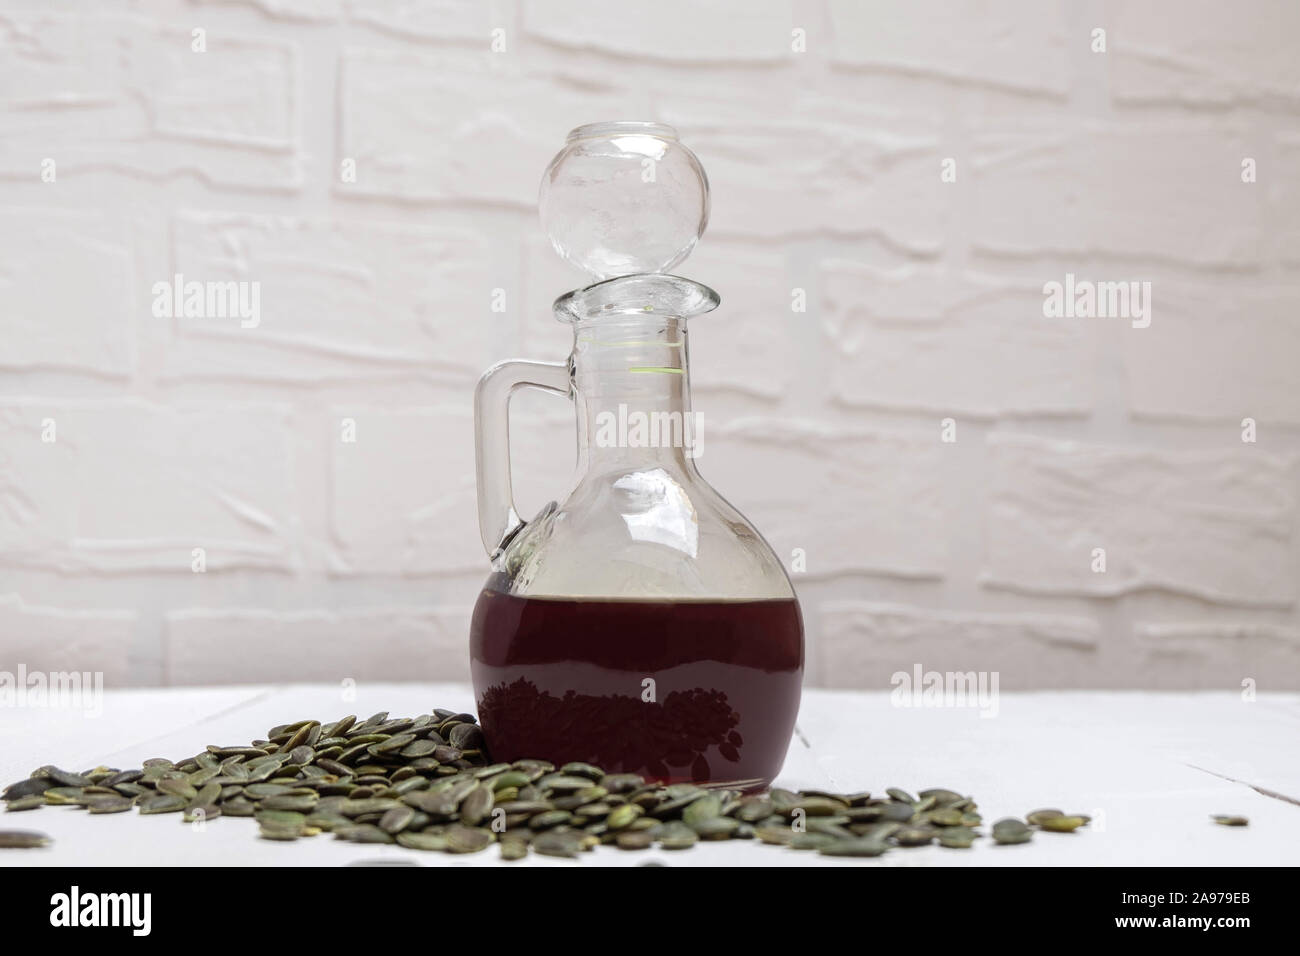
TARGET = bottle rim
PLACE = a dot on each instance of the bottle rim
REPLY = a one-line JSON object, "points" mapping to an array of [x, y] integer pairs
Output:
{"points": [[654, 295], [622, 127]]}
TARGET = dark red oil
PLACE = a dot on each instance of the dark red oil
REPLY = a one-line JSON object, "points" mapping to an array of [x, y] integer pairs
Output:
{"points": [[565, 680]]}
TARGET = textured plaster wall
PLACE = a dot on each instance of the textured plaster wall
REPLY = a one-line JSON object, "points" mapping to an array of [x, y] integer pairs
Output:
{"points": [[893, 185]]}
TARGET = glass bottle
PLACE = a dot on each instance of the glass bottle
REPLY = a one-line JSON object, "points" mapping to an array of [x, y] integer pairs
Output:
{"points": [[641, 623]]}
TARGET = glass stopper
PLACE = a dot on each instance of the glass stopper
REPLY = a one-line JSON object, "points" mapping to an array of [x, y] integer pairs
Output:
{"points": [[624, 198]]}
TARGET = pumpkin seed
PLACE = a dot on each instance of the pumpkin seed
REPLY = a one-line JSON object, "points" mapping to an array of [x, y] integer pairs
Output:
{"points": [[857, 846], [716, 828], [109, 804], [634, 840], [578, 769], [32, 786], [677, 836], [260, 790], [942, 797], [945, 817], [65, 778], [548, 819], [397, 819], [914, 836], [623, 816], [287, 801], [463, 839], [476, 805], [957, 838], [896, 812], [22, 839], [27, 803], [704, 808], [622, 782], [513, 849], [1063, 824], [558, 843], [1038, 816], [1230, 821], [1010, 831], [363, 833], [161, 803], [776, 835], [562, 782], [199, 811]]}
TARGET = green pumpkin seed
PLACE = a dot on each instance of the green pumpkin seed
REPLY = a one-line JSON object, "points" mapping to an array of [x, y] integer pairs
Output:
{"points": [[716, 828], [463, 839], [896, 812], [109, 804], [397, 819], [677, 836], [65, 796], [753, 809], [858, 846], [558, 843], [1038, 816], [702, 809], [65, 778], [914, 836], [1010, 831], [326, 821], [422, 840], [285, 818], [548, 819], [945, 817], [942, 797], [32, 786], [634, 840], [355, 808], [562, 783], [273, 831], [23, 839], [288, 801], [363, 833], [513, 849], [578, 769], [161, 803], [259, 791], [622, 782], [811, 841], [476, 806], [31, 802], [1230, 820], [238, 807], [624, 816], [776, 835], [957, 838], [1063, 824], [508, 779]]}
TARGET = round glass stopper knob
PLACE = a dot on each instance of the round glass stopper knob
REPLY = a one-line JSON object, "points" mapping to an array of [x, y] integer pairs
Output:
{"points": [[624, 198]]}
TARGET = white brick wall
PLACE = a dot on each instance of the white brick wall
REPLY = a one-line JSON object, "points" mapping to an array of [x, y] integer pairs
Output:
{"points": [[328, 559]]}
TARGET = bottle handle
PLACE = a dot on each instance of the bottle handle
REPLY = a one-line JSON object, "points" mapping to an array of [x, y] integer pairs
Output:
{"points": [[498, 521]]}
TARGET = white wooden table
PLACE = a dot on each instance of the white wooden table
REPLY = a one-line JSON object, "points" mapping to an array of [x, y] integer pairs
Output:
{"points": [[1150, 768]]}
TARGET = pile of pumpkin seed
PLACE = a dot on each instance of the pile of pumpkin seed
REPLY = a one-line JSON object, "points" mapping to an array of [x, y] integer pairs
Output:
{"points": [[427, 783]]}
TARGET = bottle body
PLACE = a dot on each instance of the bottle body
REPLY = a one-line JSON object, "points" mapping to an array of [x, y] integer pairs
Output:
{"points": [[642, 623], [676, 691]]}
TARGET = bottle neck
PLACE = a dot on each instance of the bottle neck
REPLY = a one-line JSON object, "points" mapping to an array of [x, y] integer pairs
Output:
{"points": [[632, 385]]}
